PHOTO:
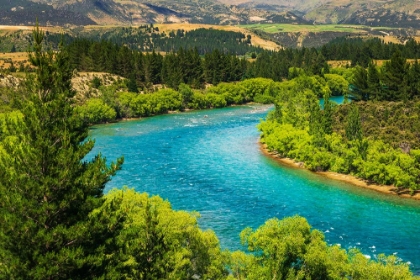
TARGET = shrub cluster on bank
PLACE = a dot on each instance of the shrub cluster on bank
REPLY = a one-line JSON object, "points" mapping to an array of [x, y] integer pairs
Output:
{"points": [[114, 104], [334, 138]]}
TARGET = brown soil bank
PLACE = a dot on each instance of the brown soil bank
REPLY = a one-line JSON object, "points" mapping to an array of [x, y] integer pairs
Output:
{"points": [[390, 190]]}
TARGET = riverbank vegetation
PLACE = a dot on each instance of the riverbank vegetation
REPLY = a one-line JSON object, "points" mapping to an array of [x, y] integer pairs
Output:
{"points": [[115, 102], [375, 141], [56, 223]]}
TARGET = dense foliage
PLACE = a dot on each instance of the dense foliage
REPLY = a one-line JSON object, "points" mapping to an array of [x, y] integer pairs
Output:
{"points": [[146, 69], [222, 65], [394, 123], [336, 138], [157, 242], [289, 249], [148, 38], [145, 38], [116, 104], [186, 65], [48, 188], [361, 51], [395, 80]]}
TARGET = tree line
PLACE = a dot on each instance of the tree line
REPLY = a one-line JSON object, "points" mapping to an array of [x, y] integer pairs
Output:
{"points": [[362, 139], [148, 38], [395, 80], [187, 66], [361, 51], [144, 38], [218, 65]]}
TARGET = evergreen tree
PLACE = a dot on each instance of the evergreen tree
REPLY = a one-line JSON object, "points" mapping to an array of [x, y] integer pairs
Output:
{"points": [[354, 126], [394, 72], [359, 88], [132, 84], [413, 80], [48, 187], [316, 128], [327, 117], [195, 74], [373, 82]]}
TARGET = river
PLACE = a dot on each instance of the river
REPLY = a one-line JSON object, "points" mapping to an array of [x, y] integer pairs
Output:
{"points": [[210, 161]]}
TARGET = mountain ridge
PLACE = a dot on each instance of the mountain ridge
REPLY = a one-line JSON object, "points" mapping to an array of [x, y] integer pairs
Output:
{"points": [[392, 13]]}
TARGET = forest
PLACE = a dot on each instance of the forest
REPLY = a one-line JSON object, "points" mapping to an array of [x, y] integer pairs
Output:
{"points": [[57, 223], [361, 51], [144, 38], [187, 66]]}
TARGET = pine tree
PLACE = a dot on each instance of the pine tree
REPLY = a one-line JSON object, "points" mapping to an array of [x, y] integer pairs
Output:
{"points": [[413, 80], [354, 125], [394, 73], [48, 187], [359, 88], [373, 82], [316, 122], [327, 117]]}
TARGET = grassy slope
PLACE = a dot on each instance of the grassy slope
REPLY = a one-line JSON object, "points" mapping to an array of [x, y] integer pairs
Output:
{"points": [[309, 33], [275, 28]]}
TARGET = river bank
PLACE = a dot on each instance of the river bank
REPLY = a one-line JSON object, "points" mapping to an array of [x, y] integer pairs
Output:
{"points": [[389, 190]]}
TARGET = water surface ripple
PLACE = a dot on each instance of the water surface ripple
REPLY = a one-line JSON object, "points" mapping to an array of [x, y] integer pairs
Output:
{"points": [[210, 162]]}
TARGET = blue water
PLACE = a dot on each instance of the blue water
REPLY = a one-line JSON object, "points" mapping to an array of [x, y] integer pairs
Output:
{"points": [[335, 99], [210, 162]]}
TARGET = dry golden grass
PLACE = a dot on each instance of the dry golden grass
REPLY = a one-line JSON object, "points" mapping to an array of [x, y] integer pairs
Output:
{"points": [[385, 38], [82, 83], [16, 57], [338, 63], [256, 40], [29, 28]]}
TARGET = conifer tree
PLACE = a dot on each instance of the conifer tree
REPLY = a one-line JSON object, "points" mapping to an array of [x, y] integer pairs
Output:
{"points": [[413, 80], [316, 122], [48, 187], [327, 117], [373, 82], [354, 126], [359, 88], [394, 73]]}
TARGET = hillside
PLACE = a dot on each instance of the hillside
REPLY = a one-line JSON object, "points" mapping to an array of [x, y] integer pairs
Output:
{"points": [[123, 12], [392, 13]]}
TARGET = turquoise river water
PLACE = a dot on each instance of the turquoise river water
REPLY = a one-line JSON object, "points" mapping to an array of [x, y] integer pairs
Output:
{"points": [[210, 161]]}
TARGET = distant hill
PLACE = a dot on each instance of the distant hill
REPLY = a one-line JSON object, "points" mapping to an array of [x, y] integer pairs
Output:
{"points": [[392, 13], [123, 12]]}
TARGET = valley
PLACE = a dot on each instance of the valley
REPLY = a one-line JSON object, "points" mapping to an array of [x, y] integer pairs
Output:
{"points": [[146, 139]]}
